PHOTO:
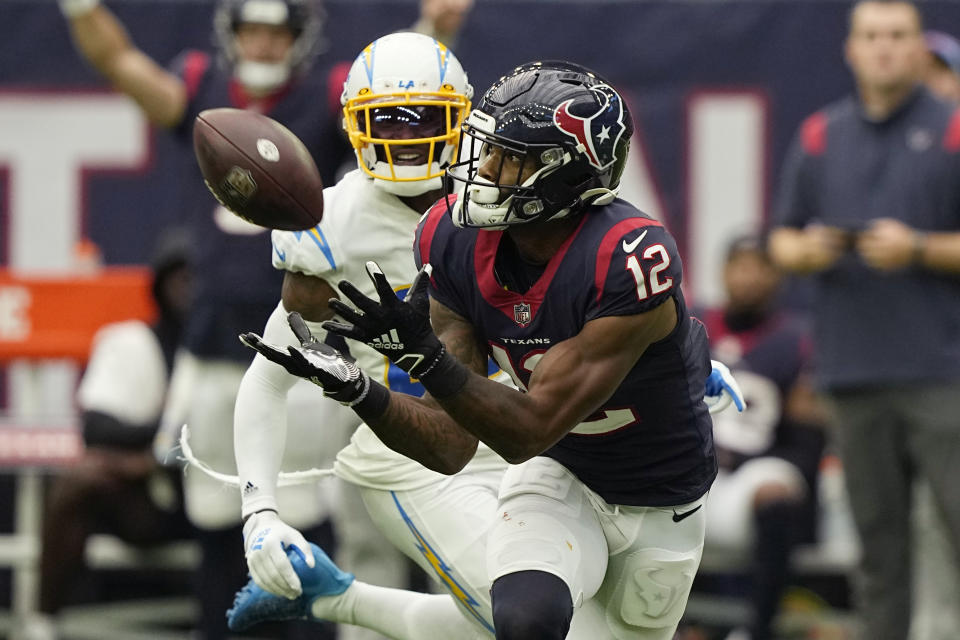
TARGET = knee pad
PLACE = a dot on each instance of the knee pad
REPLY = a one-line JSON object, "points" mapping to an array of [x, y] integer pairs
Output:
{"points": [[531, 605], [652, 591]]}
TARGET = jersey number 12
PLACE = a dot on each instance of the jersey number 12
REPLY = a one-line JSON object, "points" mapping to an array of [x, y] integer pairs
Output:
{"points": [[658, 283]]}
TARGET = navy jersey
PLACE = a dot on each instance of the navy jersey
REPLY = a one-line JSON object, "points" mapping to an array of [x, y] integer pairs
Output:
{"points": [[236, 284], [650, 443]]}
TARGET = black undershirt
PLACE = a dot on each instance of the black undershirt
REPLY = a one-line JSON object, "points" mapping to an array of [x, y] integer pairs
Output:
{"points": [[512, 271]]}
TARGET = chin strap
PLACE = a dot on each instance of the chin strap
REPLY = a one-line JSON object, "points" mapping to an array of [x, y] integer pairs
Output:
{"points": [[600, 196]]}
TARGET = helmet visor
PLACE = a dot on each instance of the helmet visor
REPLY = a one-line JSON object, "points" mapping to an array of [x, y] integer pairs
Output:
{"points": [[406, 130], [407, 121]]}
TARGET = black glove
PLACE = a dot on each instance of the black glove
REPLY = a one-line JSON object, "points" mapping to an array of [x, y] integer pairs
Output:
{"points": [[399, 330], [319, 363]]}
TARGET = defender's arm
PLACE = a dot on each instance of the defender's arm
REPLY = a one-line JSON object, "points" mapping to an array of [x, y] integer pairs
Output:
{"points": [[260, 412]]}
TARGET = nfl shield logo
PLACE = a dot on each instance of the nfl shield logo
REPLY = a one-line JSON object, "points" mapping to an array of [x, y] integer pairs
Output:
{"points": [[237, 187], [521, 314]]}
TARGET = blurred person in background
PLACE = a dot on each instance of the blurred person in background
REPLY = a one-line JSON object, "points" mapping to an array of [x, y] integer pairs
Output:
{"points": [[763, 501], [117, 487], [266, 61], [936, 613], [869, 206], [942, 72]]}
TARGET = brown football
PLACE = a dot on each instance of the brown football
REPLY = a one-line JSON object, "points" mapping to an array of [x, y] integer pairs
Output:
{"points": [[258, 169]]}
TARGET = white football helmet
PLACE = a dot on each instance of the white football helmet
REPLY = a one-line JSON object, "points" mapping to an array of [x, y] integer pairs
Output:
{"points": [[404, 101]]}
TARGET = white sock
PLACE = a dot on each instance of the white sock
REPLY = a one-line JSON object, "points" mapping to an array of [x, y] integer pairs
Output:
{"points": [[398, 614]]}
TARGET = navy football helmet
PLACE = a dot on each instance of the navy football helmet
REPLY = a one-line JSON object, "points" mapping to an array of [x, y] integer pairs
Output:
{"points": [[304, 19], [558, 117]]}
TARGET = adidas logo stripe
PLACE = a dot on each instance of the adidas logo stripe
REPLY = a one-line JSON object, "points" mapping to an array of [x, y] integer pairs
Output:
{"points": [[389, 340]]}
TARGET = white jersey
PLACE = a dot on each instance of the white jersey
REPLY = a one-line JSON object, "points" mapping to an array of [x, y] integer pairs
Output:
{"points": [[362, 222]]}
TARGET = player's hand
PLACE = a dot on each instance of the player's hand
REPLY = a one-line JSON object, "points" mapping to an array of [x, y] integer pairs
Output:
{"points": [[319, 363], [887, 244], [823, 246], [266, 539], [400, 330], [722, 389]]}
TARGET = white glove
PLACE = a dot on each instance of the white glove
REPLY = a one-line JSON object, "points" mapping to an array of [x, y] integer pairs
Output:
{"points": [[265, 539], [74, 8], [722, 389]]}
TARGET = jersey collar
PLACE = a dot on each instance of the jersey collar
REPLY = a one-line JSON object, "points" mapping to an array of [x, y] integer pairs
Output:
{"points": [[485, 252]]}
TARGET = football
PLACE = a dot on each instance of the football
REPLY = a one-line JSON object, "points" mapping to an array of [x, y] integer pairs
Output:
{"points": [[258, 169]]}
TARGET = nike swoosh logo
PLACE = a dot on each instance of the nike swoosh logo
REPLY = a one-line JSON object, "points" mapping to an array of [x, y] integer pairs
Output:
{"points": [[677, 517], [629, 247]]}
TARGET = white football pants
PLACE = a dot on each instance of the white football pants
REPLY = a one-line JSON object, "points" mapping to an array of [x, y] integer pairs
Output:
{"points": [[475, 527]]}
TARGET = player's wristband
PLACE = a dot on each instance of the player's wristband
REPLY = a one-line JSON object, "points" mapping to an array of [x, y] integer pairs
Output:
{"points": [[373, 403], [445, 377], [253, 513], [351, 392], [75, 8]]}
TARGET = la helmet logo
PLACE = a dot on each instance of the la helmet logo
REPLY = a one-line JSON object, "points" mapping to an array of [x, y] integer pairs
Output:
{"points": [[599, 133], [521, 314]]}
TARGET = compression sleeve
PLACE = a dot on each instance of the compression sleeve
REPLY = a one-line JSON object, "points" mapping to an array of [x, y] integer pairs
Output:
{"points": [[260, 418]]}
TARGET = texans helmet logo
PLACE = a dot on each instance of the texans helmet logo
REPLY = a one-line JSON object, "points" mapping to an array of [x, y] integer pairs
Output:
{"points": [[598, 134]]}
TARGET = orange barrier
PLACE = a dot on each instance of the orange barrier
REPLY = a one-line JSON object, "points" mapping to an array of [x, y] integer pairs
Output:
{"points": [[57, 317]]}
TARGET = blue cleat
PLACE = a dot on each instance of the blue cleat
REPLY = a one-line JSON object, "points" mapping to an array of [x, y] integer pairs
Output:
{"points": [[253, 605]]}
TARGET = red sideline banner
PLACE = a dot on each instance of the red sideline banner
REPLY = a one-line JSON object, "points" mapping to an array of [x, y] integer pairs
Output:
{"points": [[57, 317], [41, 446]]}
